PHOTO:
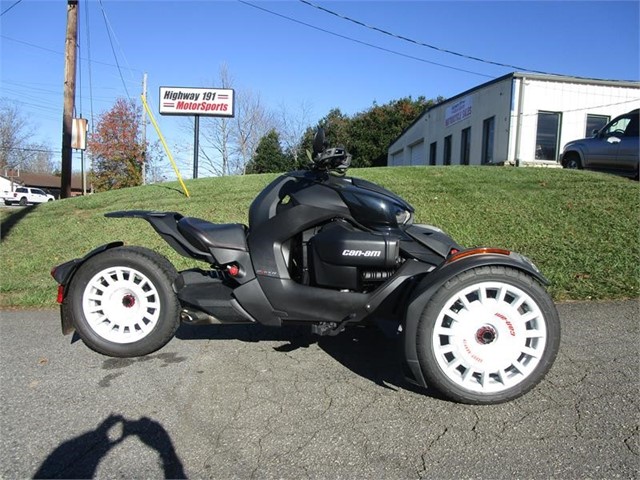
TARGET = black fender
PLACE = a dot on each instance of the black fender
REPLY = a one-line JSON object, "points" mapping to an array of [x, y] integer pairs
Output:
{"points": [[431, 283], [65, 271], [63, 274]]}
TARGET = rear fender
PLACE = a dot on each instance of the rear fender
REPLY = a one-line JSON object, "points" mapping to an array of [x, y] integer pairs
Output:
{"points": [[431, 283], [63, 274]]}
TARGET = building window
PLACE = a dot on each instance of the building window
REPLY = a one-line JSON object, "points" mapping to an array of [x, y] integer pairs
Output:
{"points": [[595, 122], [465, 146], [432, 153], [488, 131], [447, 150], [547, 136]]}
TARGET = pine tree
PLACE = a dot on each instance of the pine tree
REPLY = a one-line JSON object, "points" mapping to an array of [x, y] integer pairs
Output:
{"points": [[269, 156]]}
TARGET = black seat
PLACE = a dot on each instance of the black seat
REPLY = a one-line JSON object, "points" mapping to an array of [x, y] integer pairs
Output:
{"points": [[205, 235]]}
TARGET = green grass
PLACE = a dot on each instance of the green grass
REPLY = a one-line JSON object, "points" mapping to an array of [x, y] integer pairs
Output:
{"points": [[580, 228]]}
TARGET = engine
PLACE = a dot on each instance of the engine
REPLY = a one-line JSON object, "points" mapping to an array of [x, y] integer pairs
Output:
{"points": [[342, 257]]}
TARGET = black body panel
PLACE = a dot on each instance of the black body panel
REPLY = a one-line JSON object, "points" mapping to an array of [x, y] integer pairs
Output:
{"points": [[208, 235]]}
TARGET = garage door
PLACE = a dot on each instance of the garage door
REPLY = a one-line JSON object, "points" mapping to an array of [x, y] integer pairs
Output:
{"points": [[396, 159], [417, 154]]}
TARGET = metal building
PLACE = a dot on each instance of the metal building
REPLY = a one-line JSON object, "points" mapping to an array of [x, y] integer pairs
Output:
{"points": [[517, 119]]}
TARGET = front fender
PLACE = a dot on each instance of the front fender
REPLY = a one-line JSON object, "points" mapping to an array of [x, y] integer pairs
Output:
{"points": [[431, 283]]}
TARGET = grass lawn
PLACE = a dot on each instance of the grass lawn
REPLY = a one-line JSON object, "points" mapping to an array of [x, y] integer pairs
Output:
{"points": [[581, 228]]}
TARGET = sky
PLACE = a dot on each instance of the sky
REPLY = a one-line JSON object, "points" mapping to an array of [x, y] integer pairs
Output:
{"points": [[301, 57]]}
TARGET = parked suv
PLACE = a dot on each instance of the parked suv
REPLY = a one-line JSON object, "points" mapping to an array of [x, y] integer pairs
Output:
{"points": [[614, 148], [26, 195]]}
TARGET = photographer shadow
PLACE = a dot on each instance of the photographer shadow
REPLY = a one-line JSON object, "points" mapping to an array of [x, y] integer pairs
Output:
{"points": [[80, 457]]}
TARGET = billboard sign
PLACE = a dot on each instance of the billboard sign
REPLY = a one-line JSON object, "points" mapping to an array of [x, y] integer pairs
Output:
{"points": [[212, 102]]}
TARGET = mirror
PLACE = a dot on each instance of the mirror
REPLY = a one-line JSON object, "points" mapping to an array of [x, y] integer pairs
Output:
{"points": [[318, 141]]}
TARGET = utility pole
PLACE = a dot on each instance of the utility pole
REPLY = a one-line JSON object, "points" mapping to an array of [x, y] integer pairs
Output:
{"points": [[70, 49]]}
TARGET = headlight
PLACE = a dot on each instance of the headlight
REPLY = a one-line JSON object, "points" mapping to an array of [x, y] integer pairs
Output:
{"points": [[403, 216]]}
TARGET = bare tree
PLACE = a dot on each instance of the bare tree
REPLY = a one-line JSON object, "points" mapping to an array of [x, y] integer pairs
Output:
{"points": [[39, 159], [227, 144], [292, 127], [16, 151], [252, 122]]}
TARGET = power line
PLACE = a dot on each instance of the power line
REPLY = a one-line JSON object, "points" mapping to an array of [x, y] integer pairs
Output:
{"points": [[106, 22], [57, 52], [25, 149], [422, 44], [361, 42], [86, 14], [9, 8]]}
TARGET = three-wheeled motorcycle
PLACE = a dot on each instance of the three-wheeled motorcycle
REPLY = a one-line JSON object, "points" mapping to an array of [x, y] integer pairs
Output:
{"points": [[332, 252]]}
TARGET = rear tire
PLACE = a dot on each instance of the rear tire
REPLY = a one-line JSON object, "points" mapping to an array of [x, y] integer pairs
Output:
{"points": [[23, 201], [489, 335], [123, 303]]}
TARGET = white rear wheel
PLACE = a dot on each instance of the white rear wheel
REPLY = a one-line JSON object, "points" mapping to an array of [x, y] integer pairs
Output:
{"points": [[122, 302]]}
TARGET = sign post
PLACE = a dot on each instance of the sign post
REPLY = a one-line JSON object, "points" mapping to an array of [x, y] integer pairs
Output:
{"points": [[211, 102]]}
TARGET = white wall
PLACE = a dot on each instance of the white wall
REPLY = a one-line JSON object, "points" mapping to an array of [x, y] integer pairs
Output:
{"points": [[400, 152], [491, 101], [573, 100], [500, 99], [5, 186]]}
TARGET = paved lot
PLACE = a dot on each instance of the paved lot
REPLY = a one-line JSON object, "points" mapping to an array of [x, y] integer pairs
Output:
{"points": [[244, 402]]}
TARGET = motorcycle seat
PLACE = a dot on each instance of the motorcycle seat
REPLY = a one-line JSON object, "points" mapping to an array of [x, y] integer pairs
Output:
{"points": [[205, 235]]}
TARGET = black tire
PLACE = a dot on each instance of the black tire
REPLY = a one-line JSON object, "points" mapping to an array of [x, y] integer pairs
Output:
{"points": [[488, 335], [23, 201], [136, 313], [572, 161]]}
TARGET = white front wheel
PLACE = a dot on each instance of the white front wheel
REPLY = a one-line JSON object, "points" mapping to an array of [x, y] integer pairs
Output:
{"points": [[488, 335]]}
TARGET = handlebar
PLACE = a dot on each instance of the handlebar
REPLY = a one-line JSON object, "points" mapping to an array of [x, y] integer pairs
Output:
{"points": [[335, 158]]}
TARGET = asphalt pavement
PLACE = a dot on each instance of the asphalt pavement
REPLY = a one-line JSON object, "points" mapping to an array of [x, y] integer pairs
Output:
{"points": [[242, 402]]}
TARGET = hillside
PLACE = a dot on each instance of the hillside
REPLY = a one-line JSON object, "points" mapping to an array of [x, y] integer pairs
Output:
{"points": [[580, 228]]}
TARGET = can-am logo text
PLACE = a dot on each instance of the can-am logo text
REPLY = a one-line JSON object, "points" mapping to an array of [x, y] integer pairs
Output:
{"points": [[361, 253]]}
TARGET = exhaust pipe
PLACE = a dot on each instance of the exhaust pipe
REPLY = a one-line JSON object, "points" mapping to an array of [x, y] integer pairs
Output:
{"points": [[193, 317]]}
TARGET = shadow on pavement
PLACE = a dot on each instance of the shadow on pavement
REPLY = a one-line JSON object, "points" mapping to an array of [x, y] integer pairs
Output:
{"points": [[365, 351], [79, 457]]}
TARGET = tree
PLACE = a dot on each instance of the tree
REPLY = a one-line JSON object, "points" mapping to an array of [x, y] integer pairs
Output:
{"points": [[371, 132], [16, 151], [38, 159], [117, 148], [268, 156], [228, 144], [292, 129]]}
